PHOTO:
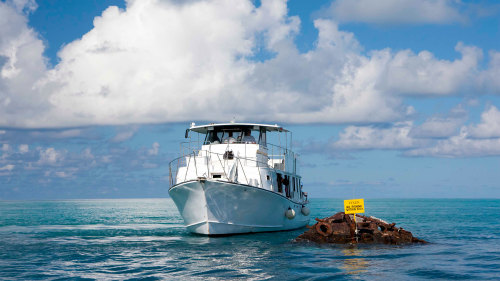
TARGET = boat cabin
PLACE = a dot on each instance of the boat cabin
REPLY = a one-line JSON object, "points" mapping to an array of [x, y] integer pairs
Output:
{"points": [[235, 133], [258, 155]]}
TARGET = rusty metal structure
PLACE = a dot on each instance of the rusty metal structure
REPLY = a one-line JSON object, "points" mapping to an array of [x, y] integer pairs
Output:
{"points": [[341, 228]]}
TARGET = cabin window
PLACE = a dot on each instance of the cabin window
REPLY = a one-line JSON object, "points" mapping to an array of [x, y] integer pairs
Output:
{"points": [[216, 176], [268, 177], [236, 134], [262, 137], [248, 136], [286, 182], [213, 137], [279, 180], [231, 135], [300, 188]]}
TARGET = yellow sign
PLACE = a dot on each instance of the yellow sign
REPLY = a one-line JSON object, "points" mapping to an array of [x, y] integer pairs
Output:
{"points": [[354, 206]]}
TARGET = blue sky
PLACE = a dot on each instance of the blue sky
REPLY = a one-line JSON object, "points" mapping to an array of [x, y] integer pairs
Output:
{"points": [[385, 98]]}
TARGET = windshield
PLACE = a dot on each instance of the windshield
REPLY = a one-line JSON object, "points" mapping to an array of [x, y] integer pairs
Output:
{"points": [[234, 134]]}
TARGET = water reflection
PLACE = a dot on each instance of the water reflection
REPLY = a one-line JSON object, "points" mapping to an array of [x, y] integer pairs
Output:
{"points": [[354, 264]]}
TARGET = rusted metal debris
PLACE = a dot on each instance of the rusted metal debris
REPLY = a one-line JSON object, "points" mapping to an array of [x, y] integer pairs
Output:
{"points": [[340, 229]]}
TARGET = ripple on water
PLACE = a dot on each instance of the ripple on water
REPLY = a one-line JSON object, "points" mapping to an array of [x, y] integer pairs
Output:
{"points": [[440, 274], [144, 240]]}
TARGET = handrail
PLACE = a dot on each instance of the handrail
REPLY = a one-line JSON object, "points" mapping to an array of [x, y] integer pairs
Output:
{"points": [[206, 151], [189, 145], [224, 170], [182, 162], [208, 155], [244, 171], [185, 176], [195, 168], [282, 153]]}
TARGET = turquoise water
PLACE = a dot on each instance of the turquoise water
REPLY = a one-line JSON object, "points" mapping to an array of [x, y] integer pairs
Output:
{"points": [[144, 239]]}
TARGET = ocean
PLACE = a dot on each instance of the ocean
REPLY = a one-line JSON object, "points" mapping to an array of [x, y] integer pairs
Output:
{"points": [[144, 239]]}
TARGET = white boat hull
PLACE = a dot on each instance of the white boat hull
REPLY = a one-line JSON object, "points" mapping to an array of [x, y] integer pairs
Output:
{"points": [[216, 208]]}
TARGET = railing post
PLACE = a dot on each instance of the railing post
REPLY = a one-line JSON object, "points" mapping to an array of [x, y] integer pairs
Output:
{"points": [[209, 161], [243, 169], [260, 175], [195, 168], [223, 167], [187, 168]]}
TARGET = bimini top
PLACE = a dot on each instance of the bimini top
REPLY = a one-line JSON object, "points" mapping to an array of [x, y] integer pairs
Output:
{"points": [[203, 129]]}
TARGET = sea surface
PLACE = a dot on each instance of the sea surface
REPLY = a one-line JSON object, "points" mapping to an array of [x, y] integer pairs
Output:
{"points": [[144, 239]]}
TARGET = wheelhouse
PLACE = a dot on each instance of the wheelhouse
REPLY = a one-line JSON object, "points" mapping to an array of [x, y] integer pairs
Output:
{"points": [[238, 133], [258, 155]]}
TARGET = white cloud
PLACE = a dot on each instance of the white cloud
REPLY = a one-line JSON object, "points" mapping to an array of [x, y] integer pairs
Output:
{"points": [[332, 83], [437, 128], [397, 11], [5, 147], [489, 126], [8, 168], [155, 149], [87, 153], [21, 65], [61, 174], [107, 159], [71, 133], [153, 62], [24, 148], [24, 5], [163, 61], [51, 156], [489, 78], [436, 137], [423, 74], [368, 137], [124, 135], [66, 174], [460, 146], [441, 127]]}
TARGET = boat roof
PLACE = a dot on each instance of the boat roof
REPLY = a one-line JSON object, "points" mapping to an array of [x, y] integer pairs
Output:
{"points": [[203, 129]]}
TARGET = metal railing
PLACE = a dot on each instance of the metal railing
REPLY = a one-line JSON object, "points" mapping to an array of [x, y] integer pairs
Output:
{"points": [[223, 170], [203, 170], [275, 153]]}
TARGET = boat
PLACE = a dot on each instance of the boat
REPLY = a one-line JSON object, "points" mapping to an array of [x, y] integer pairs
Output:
{"points": [[230, 179]]}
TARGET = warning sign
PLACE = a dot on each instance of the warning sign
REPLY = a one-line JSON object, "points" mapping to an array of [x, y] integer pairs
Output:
{"points": [[354, 206]]}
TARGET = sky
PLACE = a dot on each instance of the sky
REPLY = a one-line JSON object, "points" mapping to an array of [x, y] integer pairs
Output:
{"points": [[385, 99]]}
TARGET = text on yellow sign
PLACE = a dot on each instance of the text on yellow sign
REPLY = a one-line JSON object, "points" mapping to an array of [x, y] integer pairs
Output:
{"points": [[354, 206]]}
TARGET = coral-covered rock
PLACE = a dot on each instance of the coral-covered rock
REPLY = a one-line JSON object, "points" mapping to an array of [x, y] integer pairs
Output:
{"points": [[341, 229]]}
